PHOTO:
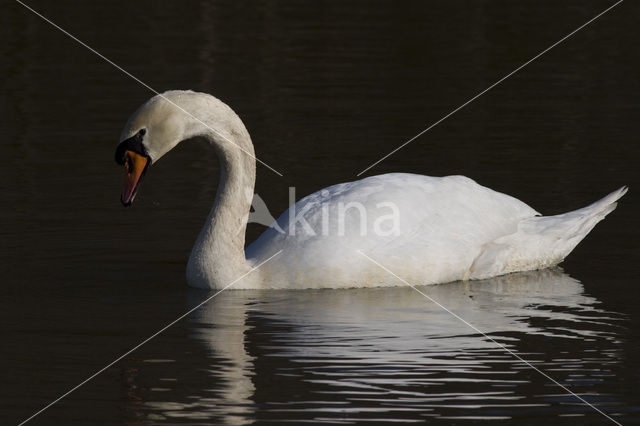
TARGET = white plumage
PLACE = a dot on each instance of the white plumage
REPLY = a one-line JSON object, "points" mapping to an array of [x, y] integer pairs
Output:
{"points": [[424, 229], [451, 228]]}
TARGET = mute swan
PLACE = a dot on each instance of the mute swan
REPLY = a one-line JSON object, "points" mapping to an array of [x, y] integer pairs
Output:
{"points": [[425, 229]]}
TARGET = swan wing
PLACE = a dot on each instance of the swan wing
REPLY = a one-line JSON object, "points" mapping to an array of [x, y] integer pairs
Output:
{"points": [[427, 229]]}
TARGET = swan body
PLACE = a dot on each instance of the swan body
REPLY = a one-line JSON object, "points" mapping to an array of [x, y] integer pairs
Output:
{"points": [[423, 229]]}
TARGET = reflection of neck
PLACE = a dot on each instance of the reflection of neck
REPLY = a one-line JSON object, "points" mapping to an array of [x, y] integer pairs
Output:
{"points": [[217, 258], [222, 326]]}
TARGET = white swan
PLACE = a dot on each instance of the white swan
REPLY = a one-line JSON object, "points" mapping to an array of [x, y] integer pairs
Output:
{"points": [[424, 229]]}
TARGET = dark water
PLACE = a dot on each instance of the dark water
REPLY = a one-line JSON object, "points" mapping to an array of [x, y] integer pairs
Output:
{"points": [[325, 89]]}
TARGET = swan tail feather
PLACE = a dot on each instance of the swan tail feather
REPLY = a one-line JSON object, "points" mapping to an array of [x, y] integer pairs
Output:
{"points": [[541, 241]]}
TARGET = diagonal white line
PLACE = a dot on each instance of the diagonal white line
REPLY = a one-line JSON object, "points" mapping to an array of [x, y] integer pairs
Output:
{"points": [[492, 86], [512, 353], [149, 87], [55, 401]]}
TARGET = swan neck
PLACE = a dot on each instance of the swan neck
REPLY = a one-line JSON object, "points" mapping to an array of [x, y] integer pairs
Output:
{"points": [[218, 257]]}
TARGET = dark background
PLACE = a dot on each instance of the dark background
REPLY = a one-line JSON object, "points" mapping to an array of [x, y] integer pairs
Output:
{"points": [[325, 89]]}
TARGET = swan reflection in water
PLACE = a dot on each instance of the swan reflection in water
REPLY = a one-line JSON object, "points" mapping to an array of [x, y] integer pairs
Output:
{"points": [[390, 353]]}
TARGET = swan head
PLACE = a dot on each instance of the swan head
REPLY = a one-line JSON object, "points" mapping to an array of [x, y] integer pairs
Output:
{"points": [[152, 131]]}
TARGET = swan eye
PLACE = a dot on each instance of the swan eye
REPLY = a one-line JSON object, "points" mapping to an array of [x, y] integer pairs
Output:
{"points": [[134, 144]]}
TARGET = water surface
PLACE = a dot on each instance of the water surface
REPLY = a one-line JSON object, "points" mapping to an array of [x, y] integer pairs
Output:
{"points": [[325, 89]]}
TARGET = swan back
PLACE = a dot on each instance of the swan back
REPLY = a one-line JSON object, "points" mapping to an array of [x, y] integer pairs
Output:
{"points": [[443, 223]]}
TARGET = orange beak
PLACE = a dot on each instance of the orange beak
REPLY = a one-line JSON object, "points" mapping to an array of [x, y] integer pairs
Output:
{"points": [[135, 165]]}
